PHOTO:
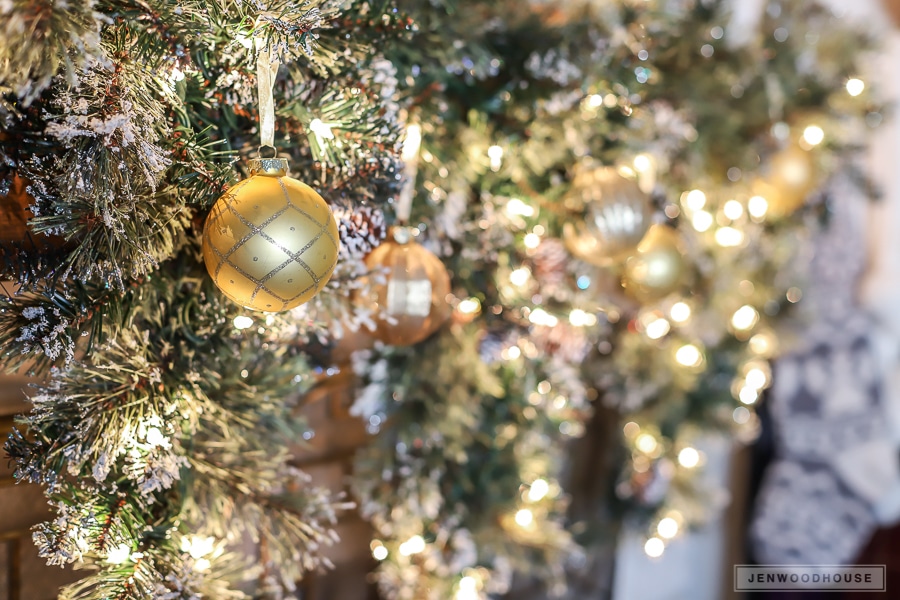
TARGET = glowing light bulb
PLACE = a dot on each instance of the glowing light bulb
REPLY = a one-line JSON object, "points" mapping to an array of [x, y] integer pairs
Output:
{"points": [[321, 129], [654, 547], [119, 554], [517, 208], [520, 276], [688, 457], [580, 318], [695, 200], [538, 490], [728, 237], [756, 379], [524, 517], [748, 395], [380, 552], [642, 163], [733, 209], [667, 528], [689, 356], [495, 153], [646, 443], [469, 306], [242, 322], [657, 329], [413, 545], [595, 101], [541, 317], [745, 318], [855, 87], [757, 206], [532, 241], [412, 143], [813, 135], [680, 312], [155, 437], [702, 221], [197, 546]]}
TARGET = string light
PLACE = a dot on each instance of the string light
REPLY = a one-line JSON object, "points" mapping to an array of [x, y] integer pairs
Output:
{"points": [[646, 443], [468, 589], [688, 457], [757, 206], [155, 437], [469, 306], [813, 135], [657, 329], [745, 318], [532, 241], [689, 356], [654, 547], [517, 208], [729, 237], [495, 153], [694, 200], [524, 517], [702, 221], [321, 129], [538, 490], [756, 378], [119, 555], [667, 528], [242, 322], [580, 318], [412, 143], [520, 276], [733, 210], [855, 87], [680, 312], [541, 317], [413, 545], [379, 550], [748, 395]]}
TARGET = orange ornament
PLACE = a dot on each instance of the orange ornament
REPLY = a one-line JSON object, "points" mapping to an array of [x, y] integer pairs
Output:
{"points": [[410, 303], [893, 8]]}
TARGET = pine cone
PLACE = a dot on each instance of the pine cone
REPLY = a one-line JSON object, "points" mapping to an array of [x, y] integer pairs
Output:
{"points": [[361, 230]]}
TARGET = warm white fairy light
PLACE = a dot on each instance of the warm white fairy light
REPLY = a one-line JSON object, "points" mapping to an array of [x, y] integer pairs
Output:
{"points": [[242, 322], [516, 208], [467, 589], [855, 86], [412, 143], [538, 490], [757, 206], [654, 547], [689, 355], [728, 237], [733, 210], [413, 545], [321, 129], [469, 306], [495, 153], [680, 312], [756, 378], [532, 241], [541, 317], [745, 318], [595, 101], [688, 457], [379, 551], [524, 517], [511, 353], [646, 443], [657, 329], [197, 545], [748, 395], [581, 318], [155, 437], [119, 555], [642, 163], [520, 276], [695, 199], [813, 135], [702, 221], [667, 528]]}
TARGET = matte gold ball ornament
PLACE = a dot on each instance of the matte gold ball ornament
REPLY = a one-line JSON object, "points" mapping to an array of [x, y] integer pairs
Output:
{"points": [[791, 180], [410, 303], [270, 243], [658, 266], [617, 214]]}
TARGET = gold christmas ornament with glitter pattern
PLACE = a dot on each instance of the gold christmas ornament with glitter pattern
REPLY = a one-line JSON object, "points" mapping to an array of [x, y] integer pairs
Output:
{"points": [[411, 303], [616, 216], [657, 268], [270, 243]]}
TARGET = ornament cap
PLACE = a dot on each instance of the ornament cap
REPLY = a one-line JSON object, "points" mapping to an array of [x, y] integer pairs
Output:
{"points": [[269, 167]]}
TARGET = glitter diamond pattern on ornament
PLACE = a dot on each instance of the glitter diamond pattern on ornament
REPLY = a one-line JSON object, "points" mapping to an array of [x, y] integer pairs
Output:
{"points": [[270, 253]]}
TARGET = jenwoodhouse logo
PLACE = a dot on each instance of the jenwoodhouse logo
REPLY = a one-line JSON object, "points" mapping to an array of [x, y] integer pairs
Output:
{"points": [[861, 578]]}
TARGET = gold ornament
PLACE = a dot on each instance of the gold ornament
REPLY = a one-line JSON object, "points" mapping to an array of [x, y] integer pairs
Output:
{"points": [[657, 268], [410, 304], [270, 243], [616, 215], [791, 180]]}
